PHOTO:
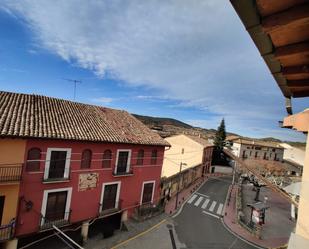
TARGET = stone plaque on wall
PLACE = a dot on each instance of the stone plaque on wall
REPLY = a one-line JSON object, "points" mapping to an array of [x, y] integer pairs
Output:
{"points": [[88, 181]]}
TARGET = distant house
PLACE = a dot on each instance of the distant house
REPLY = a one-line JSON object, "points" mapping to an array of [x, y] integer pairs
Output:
{"points": [[66, 163], [256, 149], [193, 153]]}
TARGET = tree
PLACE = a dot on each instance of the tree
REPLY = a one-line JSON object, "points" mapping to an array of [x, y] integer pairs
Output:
{"points": [[220, 136]]}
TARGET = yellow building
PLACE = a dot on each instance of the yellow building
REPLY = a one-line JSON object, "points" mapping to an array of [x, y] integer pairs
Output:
{"points": [[189, 154], [11, 158]]}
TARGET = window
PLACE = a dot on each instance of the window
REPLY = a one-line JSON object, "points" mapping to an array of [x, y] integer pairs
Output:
{"points": [[110, 196], [258, 148], [107, 159], [154, 155], [147, 192], [57, 164], [56, 205], [140, 157], [256, 154], [86, 159], [123, 162], [33, 159]]}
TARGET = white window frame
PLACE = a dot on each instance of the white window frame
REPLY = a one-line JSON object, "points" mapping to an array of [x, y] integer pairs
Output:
{"points": [[153, 189], [67, 161], [128, 162], [67, 205], [117, 195]]}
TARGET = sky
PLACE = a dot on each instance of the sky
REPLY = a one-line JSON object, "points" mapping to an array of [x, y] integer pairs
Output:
{"points": [[188, 60]]}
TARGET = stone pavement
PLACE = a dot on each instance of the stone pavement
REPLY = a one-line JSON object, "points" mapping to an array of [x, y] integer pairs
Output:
{"points": [[276, 219], [159, 237]]}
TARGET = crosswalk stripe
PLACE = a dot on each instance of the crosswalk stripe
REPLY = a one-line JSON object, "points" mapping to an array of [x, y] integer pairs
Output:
{"points": [[205, 203], [219, 210], [198, 201], [192, 198], [212, 207]]}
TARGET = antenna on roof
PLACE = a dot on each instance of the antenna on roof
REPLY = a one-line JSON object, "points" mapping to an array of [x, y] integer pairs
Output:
{"points": [[75, 82]]}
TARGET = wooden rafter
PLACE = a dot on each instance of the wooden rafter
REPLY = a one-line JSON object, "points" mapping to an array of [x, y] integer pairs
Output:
{"points": [[298, 83], [293, 16], [290, 50]]}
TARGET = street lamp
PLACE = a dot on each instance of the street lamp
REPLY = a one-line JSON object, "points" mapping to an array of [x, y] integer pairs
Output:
{"points": [[180, 168]]}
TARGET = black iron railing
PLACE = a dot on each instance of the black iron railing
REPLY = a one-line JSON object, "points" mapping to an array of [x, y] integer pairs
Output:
{"points": [[58, 219], [147, 210], [109, 207], [123, 173], [7, 231], [10, 172]]}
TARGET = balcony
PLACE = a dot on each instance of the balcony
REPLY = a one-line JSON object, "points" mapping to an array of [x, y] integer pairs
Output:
{"points": [[120, 173], [57, 219], [110, 207], [146, 211], [10, 173], [7, 231]]}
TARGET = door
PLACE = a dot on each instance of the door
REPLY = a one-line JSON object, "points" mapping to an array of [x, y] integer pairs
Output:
{"points": [[57, 164], [2, 199], [110, 196], [122, 161], [55, 207], [147, 193]]}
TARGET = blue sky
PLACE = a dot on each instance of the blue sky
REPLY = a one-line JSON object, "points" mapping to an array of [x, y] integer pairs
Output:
{"points": [[189, 60]]}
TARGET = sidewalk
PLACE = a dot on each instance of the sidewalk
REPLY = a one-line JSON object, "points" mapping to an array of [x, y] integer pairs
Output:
{"points": [[270, 238]]}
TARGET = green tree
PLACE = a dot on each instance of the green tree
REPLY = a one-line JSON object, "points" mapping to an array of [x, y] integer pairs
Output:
{"points": [[220, 136]]}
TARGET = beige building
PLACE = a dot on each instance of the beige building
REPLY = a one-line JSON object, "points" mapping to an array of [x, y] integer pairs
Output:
{"points": [[193, 154]]}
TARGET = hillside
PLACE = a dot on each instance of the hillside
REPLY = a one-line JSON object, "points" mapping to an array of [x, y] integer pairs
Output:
{"points": [[168, 127]]}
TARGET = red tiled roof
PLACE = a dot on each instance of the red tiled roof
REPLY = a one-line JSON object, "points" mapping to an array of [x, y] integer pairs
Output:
{"points": [[34, 116]]}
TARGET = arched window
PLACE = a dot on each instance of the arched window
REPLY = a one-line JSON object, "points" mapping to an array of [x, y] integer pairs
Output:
{"points": [[107, 159], [33, 159], [140, 157], [154, 155], [86, 159]]}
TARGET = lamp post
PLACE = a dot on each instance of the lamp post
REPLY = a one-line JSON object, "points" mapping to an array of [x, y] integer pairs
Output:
{"points": [[180, 168]]}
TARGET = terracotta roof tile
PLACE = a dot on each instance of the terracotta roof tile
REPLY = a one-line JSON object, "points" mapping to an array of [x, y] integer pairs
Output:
{"points": [[25, 115]]}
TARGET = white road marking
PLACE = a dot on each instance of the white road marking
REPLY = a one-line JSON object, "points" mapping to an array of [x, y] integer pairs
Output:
{"points": [[219, 210], [202, 194], [198, 201], [192, 198], [213, 215], [205, 203], [212, 207]]}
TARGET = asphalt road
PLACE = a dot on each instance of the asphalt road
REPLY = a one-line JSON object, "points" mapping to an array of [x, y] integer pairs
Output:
{"points": [[199, 224]]}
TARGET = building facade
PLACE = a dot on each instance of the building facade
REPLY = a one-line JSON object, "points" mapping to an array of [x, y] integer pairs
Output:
{"points": [[80, 162], [257, 150], [11, 159], [193, 154]]}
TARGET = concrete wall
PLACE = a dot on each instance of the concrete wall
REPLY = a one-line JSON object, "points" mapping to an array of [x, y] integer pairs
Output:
{"points": [[294, 154], [12, 153], [192, 155], [302, 227], [221, 169]]}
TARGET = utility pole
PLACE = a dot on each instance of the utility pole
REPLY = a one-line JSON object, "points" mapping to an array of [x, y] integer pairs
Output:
{"points": [[179, 177], [75, 83]]}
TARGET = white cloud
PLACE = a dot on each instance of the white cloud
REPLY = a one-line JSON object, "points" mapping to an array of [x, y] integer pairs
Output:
{"points": [[103, 100], [194, 51]]}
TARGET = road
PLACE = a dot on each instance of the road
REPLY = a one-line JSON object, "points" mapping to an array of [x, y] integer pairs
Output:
{"points": [[199, 223]]}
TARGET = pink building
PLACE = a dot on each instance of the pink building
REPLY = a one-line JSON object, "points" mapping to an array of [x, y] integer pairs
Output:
{"points": [[81, 161]]}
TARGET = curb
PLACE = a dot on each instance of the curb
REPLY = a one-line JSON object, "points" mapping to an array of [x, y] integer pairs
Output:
{"points": [[241, 237], [139, 235]]}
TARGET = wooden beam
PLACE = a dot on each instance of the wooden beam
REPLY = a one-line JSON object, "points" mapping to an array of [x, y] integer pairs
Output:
{"points": [[300, 94], [298, 83], [302, 69], [294, 49], [297, 15]]}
